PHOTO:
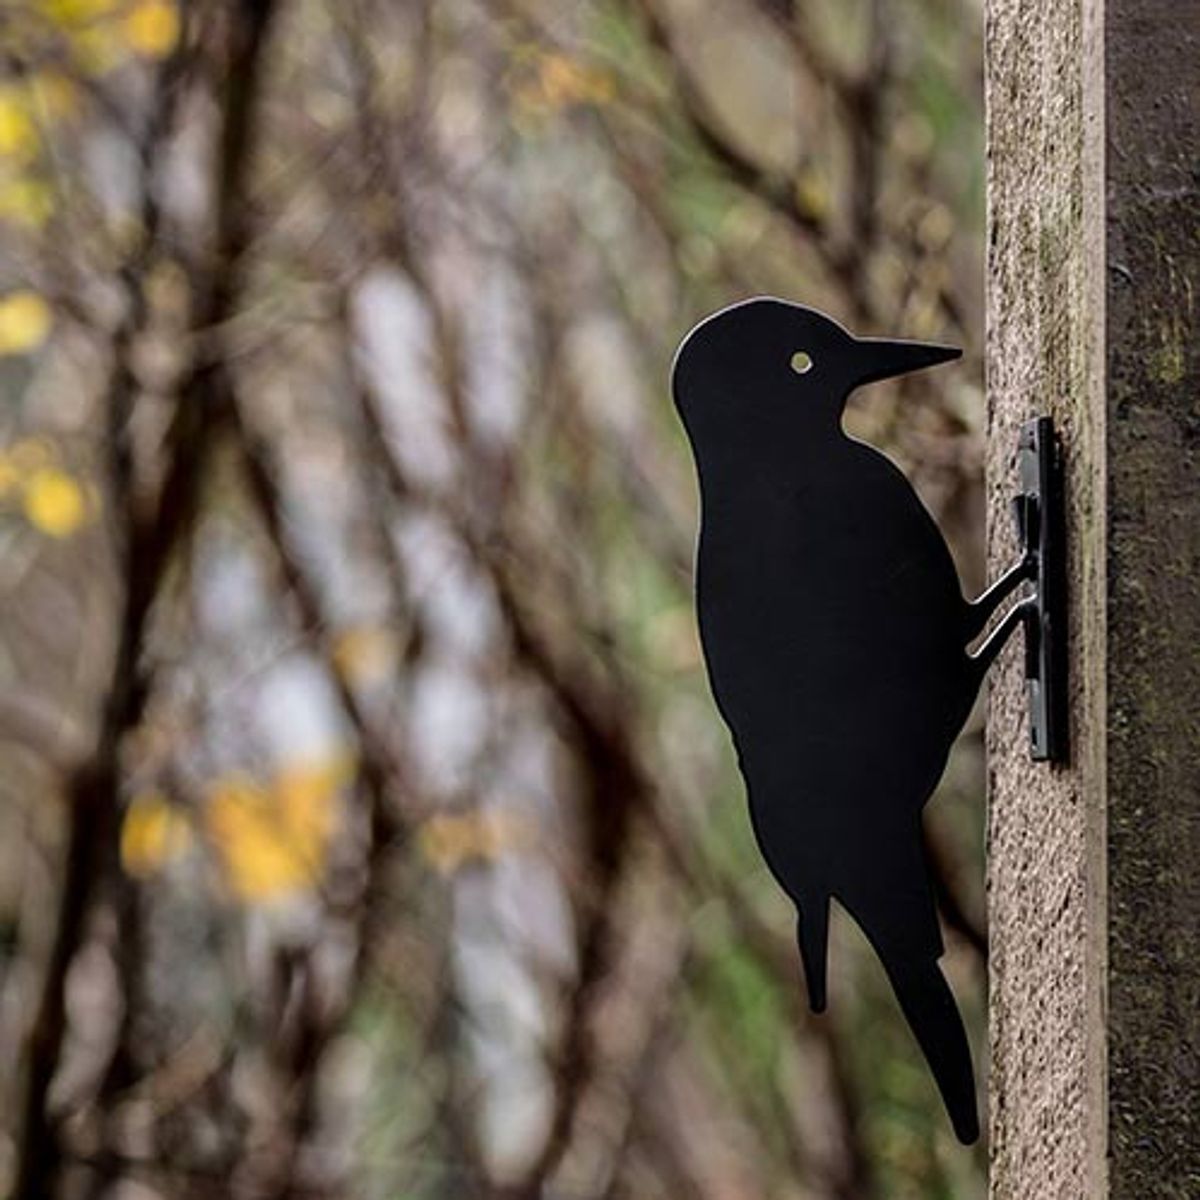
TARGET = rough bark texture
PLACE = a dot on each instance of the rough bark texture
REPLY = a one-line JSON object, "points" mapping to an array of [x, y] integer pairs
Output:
{"points": [[1094, 265], [1153, 405]]}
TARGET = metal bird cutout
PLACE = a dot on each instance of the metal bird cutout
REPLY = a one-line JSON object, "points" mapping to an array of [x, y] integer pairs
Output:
{"points": [[836, 639]]}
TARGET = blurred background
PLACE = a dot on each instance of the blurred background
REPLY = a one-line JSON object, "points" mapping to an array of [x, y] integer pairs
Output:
{"points": [[367, 828]]}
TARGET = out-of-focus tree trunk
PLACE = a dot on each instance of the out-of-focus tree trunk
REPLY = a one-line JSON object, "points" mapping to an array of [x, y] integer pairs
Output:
{"points": [[1093, 142]]}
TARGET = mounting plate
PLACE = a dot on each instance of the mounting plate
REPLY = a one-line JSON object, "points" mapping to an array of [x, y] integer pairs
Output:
{"points": [[1040, 525]]}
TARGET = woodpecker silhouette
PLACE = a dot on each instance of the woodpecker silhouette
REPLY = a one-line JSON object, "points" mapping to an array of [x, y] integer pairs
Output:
{"points": [[836, 639]]}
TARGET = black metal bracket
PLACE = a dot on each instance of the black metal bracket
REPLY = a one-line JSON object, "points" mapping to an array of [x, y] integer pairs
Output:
{"points": [[1038, 510]]}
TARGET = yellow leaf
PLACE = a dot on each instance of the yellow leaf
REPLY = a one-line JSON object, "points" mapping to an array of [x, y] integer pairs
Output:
{"points": [[18, 132], [28, 202], [24, 322], [153, 833], [273, 839], [258, 864], [307, 795], [152, 28], [54, 502], [74, 13]]}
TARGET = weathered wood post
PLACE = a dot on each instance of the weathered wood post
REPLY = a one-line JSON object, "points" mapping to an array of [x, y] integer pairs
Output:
{"points": [[1094, 874]]}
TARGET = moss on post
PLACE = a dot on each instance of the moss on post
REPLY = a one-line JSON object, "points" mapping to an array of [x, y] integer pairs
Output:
{"points": [[1094, 265]]}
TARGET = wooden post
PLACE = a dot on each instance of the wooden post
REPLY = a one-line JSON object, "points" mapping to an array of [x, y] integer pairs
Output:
{"points": [[1094, 870]]}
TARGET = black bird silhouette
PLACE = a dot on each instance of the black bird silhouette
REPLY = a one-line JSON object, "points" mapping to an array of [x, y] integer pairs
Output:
{"points": [[835, 635]]}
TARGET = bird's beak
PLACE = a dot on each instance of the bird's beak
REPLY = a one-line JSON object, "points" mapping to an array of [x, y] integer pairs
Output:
{"points": [[879, 359]]}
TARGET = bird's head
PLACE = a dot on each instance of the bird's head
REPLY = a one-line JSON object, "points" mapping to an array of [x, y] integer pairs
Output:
{"points": [[765, 372]]}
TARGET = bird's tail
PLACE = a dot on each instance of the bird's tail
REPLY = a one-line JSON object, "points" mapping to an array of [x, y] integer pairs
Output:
{"points": [[928, 1005], [812, 932]]}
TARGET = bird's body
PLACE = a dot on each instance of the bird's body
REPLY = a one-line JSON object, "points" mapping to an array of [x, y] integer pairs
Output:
{"points": [[834, 632], [845, 605]]}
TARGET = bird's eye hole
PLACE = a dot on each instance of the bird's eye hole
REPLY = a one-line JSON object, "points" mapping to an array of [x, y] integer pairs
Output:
{"points": [[802, 362]]}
